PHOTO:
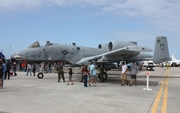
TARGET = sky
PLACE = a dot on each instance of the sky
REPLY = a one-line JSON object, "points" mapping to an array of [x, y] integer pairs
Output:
{"points": [[88, 23]]}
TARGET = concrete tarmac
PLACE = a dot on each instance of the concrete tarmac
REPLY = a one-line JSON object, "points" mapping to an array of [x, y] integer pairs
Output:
{"points": [[28, 94]]}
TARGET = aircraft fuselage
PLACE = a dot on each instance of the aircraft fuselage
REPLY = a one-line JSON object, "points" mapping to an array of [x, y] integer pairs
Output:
{"points": [[57, 52], [65, 53]]}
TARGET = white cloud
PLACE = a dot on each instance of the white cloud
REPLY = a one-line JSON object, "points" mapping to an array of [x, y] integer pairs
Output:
{"points": [[162, 14], [19, 5], [23, 5]]}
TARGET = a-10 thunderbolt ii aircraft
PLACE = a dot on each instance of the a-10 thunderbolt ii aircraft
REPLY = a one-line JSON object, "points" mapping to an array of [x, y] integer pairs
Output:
{"points": [[114, 51]]}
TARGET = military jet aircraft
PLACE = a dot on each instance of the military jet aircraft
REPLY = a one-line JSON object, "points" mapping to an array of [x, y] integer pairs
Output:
{"points": [[114, 51]]}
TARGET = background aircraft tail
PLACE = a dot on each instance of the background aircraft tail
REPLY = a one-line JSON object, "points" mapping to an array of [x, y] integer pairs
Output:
{"points": [[161, 50], [173, 58]]}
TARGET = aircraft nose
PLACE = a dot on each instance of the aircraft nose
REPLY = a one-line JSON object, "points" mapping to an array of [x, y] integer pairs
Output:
{"points": [[17, 57]]}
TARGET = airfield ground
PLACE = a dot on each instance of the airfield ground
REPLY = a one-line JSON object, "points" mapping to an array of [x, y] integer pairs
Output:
{"points": [[28, 94]]}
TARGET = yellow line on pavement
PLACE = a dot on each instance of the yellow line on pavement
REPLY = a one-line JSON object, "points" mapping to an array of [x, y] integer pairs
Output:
{"points": [[156, 102], [158, 97], [164, 104]]}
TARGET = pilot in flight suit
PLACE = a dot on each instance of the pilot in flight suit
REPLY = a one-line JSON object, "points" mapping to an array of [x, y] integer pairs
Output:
{"points": [[101, 72], [60, 72]]}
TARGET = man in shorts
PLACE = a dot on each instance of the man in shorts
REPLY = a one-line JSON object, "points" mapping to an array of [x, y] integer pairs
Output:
{"points": [[123, 74], [93, 74], [133, 72]]}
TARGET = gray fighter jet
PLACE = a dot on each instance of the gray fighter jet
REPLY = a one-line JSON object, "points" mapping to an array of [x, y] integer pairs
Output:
{"points": [[114, 51]]}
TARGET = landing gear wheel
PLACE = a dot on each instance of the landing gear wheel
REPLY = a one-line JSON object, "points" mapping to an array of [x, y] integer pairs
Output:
{"points": [[104, 76], [40, 75]]}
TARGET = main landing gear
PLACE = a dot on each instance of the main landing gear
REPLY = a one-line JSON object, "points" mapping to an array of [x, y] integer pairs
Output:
{"points": [[40, 75], [104, 76]]}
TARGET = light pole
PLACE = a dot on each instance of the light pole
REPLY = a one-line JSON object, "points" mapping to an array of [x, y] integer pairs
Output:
{"points": [[10, 51]]}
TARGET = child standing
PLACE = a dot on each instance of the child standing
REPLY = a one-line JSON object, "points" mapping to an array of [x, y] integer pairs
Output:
{"points": [[70, 75]]}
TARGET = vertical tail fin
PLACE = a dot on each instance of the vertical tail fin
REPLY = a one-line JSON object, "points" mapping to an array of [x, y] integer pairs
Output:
{"points": [[161, 50]]}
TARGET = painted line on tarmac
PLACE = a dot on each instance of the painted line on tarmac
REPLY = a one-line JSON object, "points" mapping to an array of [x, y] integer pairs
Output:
{"points": [[164, 86], [156, 102], [164, 104]]}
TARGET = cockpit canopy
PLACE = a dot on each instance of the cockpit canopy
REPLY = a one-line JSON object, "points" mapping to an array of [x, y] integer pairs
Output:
{"points": [[36, 44], [48, 43]]}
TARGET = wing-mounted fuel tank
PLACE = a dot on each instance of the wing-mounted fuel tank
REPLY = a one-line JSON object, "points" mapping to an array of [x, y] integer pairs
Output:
{"points": [[113, 45]]}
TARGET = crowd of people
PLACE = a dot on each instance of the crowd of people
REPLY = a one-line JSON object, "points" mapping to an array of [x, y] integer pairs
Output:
{"points": [[88, 72], [89, 75], [5, 67]]}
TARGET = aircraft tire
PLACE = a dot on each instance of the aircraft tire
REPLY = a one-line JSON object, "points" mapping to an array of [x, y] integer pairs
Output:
{"points": [[104, 75], [40, 75]]}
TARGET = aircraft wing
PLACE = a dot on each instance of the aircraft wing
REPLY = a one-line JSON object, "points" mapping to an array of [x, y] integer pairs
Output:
{"points": [[115, 53]]}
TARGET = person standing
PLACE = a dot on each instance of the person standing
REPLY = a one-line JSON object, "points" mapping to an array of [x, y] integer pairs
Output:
{"points": [[14, 68], [89, 76], [34, 69], [4, 70], [60, 72], [168, 65], [28, 69], [162, 65], [101, 72], [82, 73], [1, 74], [20, 66], [49, 67], [86, 72], [70, 75], [23, 66], [54, 67], [133, 72], [93, 74], [8, 68], [123, 74]]}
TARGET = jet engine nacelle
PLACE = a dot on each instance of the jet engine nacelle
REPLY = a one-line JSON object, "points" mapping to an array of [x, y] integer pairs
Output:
{"points": [[117, 44], [103, 46]]}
